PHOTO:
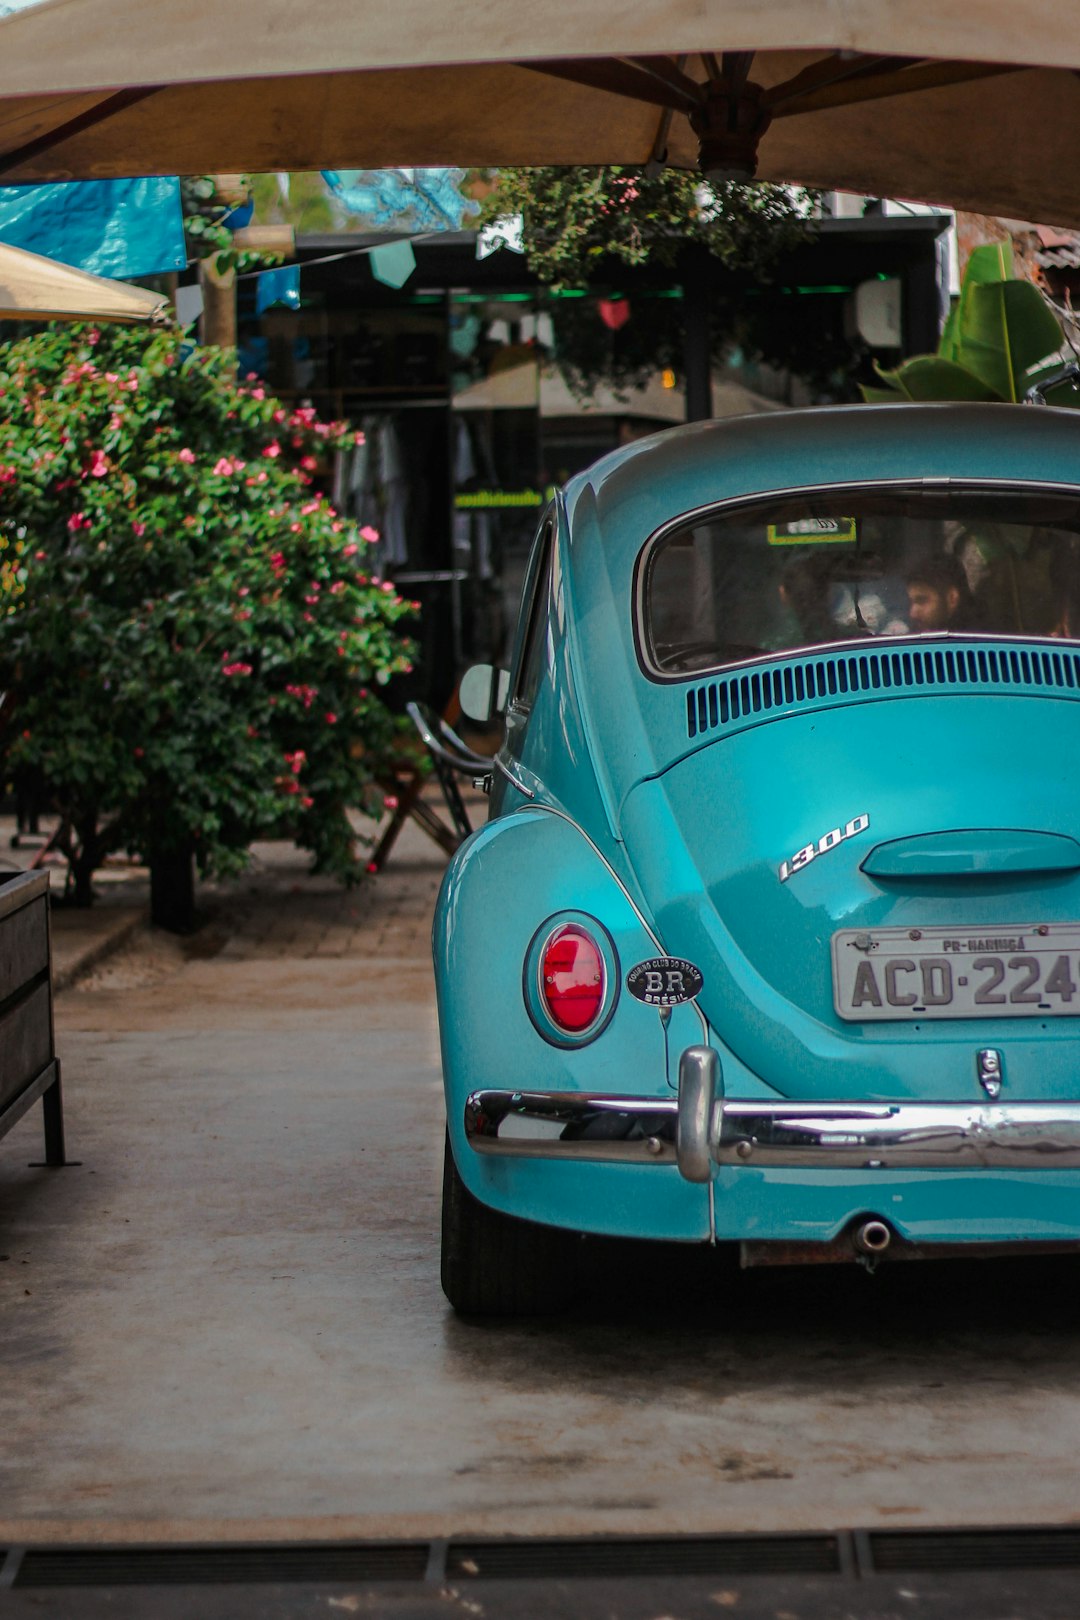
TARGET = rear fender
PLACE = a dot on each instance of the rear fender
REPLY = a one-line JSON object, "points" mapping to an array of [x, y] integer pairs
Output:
{"points": [[506, 882]]}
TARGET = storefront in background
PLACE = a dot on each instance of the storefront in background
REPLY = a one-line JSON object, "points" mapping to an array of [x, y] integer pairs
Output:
{"points": [[469, 421]]}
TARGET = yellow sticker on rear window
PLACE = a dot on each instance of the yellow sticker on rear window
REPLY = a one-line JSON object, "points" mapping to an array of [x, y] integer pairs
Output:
{"points": [[813, 531]]}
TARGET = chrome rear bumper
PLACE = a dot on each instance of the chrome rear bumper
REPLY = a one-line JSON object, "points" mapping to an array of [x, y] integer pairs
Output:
{"points": [[702, 1128]]}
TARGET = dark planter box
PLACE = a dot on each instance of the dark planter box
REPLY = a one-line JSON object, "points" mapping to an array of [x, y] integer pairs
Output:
{"points": [[28, 1063]]}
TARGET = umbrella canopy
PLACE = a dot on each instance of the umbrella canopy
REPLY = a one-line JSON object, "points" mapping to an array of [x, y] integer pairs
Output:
{"points": [[973, 103], [37, 289], [527, 386]]}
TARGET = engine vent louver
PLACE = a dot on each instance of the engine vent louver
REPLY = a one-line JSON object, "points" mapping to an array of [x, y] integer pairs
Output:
{"points": [[812, 681]]}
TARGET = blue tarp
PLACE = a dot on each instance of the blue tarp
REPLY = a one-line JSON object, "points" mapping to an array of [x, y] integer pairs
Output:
{"points": [[110, 227]]}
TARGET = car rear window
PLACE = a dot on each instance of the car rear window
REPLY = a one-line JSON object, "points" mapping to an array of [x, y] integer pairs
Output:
{"points": [[824, 567]]}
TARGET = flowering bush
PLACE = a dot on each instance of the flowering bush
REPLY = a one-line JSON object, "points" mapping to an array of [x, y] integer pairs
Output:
{"points": [[191, 634]]}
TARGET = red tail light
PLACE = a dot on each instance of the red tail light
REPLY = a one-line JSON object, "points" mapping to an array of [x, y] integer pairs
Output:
{"points": [[572, 978]]}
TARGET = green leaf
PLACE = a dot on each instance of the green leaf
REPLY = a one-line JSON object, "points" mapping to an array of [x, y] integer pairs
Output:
{"points": [[881, 396], [948, 344], [928, 377], [1003, 329], [990, 262]]}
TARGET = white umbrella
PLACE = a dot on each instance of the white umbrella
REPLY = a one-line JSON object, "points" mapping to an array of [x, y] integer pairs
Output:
{"points": [[33, 288], [973, 103]]}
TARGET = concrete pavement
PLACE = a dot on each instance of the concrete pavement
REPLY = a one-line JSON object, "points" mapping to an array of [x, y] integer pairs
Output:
{"points": [[227, 1324]]}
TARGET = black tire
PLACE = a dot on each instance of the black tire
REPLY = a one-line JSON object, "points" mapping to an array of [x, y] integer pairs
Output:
{"points": [[496, 1265]]}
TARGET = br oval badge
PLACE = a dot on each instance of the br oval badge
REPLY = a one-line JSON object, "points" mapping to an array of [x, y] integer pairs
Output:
{"points": [[664, 981]]}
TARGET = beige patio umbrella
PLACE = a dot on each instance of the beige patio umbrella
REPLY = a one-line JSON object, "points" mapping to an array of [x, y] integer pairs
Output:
{"points": [[531, 385], [973, 103], [33, 288]]}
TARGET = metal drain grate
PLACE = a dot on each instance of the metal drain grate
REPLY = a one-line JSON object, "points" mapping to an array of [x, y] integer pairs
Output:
{"points": [[806, 683], [849, 1554], [974, 1549], [178, 1566], [662, 1555]]}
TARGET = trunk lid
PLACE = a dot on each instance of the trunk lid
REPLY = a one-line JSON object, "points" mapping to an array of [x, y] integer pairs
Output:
{"points": [[968, 806]]}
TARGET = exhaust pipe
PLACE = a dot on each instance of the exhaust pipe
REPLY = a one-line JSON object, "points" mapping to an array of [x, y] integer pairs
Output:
{"points": [[873, 1237]]}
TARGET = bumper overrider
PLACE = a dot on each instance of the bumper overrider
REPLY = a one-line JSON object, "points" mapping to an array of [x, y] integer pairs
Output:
{"points": [[701, 1128]]}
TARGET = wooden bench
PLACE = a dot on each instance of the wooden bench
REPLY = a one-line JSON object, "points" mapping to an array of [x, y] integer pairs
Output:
{"points": [[29, 1068]]}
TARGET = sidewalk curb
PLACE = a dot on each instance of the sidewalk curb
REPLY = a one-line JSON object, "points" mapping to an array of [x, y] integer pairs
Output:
{"points": [[99, 951]]}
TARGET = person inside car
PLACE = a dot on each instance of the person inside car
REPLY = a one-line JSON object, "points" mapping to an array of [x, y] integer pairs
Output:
{"points": [[939, 597]]}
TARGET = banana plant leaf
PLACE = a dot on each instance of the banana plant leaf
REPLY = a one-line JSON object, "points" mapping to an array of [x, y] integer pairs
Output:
{"points": [[1003, 329], [992, 261], [995, 344], [928, 377], [881, 396]]}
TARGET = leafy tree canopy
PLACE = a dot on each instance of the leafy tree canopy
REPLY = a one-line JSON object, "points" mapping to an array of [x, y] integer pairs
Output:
{"points": [[574, 217]]}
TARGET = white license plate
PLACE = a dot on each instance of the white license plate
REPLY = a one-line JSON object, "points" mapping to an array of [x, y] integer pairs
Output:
{"points": [[917, 974]]}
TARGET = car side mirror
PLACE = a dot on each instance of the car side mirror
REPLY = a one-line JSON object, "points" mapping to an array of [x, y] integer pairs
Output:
{"points": [[483, 691]]}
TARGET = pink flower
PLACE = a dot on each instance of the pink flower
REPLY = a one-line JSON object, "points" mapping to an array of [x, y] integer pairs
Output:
{"points": [[337, 587], [258, 393], [138, 752], [295, 761], [358, 438], [77, 521], [93, 337], [350, 550], [243, 591], [187, 456], [390, 802], [7, 474], [306, 511], [307, 803], [312, 601], [99, 466], [236, 669], [308, 463], [223, 467], [369, 534], [40, 556], [273, 449], [138, 529], [331, 718], [280, 415]]}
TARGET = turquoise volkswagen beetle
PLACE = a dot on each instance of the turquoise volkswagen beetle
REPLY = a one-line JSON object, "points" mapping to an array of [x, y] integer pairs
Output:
{"points": [[773, 936]]}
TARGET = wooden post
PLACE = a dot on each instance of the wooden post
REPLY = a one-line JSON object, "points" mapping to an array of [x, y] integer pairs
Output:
{"points": [[218, 325]]}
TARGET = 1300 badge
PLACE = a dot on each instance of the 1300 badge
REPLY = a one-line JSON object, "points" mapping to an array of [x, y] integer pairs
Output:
{"points": [[664, 981], [809, 852]]}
